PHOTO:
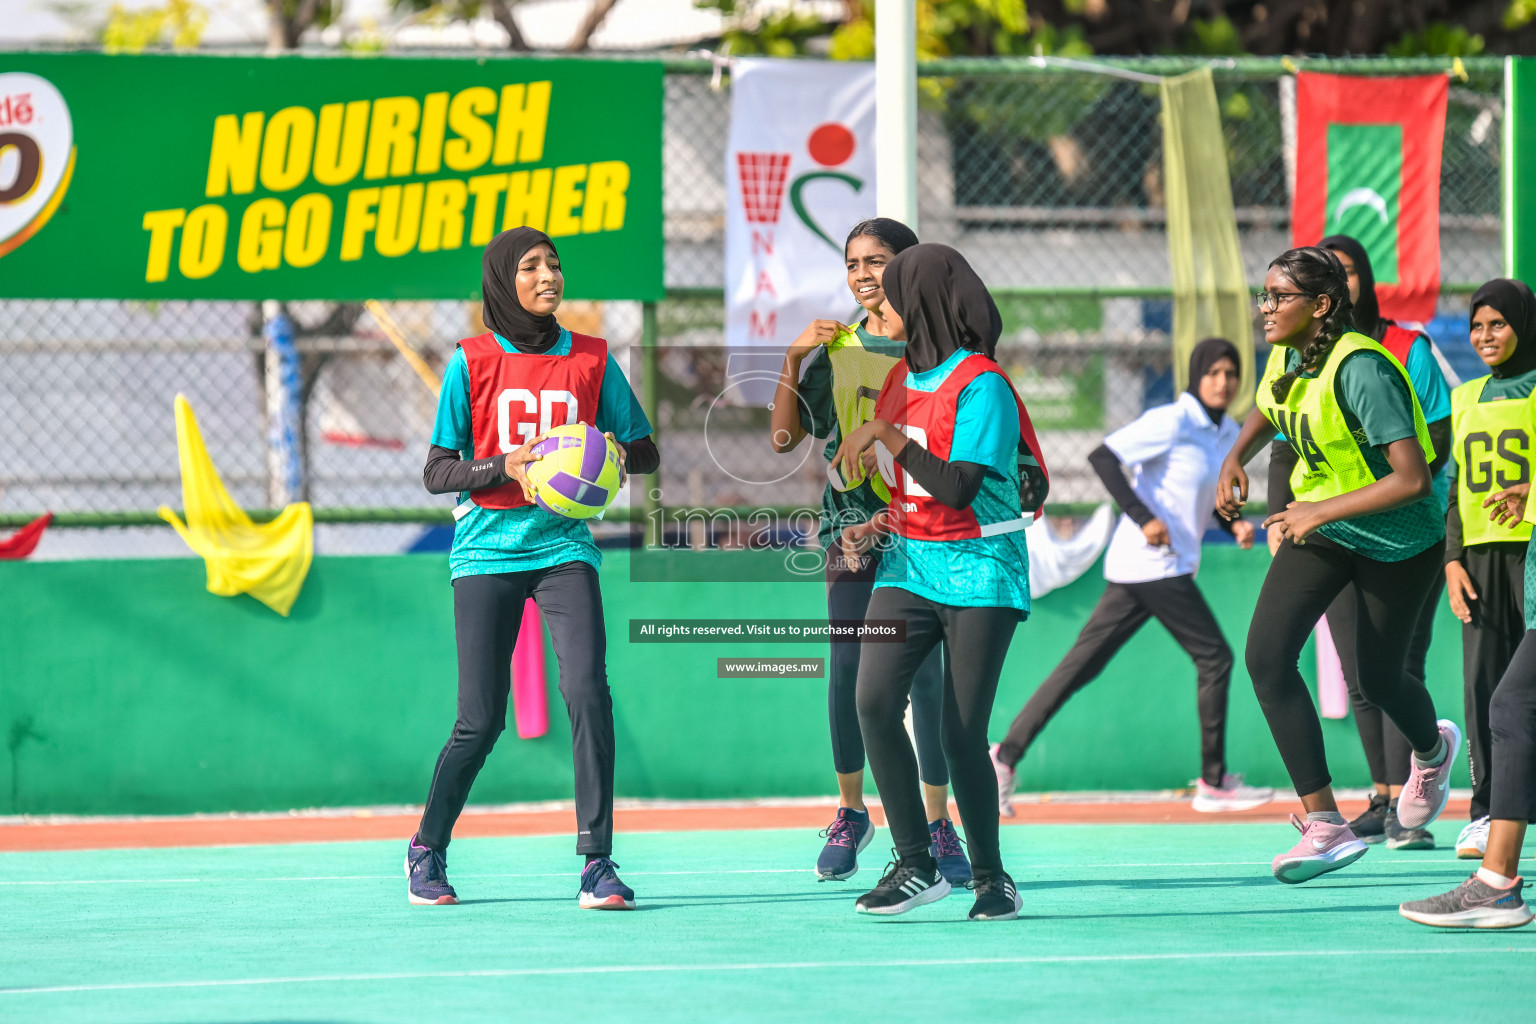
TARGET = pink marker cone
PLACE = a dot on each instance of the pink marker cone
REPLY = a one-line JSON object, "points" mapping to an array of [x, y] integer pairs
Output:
{"points": [[1332, 691], [530, 701]]}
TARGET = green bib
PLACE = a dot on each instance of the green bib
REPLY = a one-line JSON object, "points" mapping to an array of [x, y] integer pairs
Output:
{"points": [[857, 374], [1492, 446], [1331, 458]]}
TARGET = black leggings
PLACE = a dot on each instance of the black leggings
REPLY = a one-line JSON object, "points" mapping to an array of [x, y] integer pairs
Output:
{"points": [[1386, 748], [1122, 610], [487, 611], [975, 642], [1488, 644], [849, 586], [1302, 582], [1512, 717]]}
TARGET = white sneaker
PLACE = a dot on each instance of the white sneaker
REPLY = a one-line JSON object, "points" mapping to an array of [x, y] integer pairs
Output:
{"points": [[1473, 841], [1231, 795], [1006, 778]]}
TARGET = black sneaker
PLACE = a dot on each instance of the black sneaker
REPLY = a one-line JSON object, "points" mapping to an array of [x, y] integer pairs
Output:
{"points": [[427, 873], [904, 886], [1371, 827], [1400, 838], [997, 899]]}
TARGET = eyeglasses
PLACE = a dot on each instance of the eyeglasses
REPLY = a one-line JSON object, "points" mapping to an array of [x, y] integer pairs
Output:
{"points": [[1270, 301]]}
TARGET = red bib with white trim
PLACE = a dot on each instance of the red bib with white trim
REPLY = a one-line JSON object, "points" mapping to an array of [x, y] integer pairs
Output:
{"points": [[928, 417], [516, 396]]}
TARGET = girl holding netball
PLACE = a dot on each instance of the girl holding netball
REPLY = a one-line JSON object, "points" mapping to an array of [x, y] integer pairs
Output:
{"points": [[500, 390], [954, 445], [1365, 514], [827, 388]]}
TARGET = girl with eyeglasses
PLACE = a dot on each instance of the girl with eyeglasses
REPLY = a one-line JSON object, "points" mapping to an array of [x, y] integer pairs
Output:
{"points": [[1386, 748], [1365, 515]]}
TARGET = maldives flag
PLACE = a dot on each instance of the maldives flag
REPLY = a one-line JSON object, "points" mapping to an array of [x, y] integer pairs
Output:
{"points": [[1368, 166]]}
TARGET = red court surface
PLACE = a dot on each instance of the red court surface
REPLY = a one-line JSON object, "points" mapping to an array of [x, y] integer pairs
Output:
{"points": [[334, 827]]}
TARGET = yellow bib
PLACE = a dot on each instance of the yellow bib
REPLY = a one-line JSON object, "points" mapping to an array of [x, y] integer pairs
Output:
{"points": [[857, 374], [1492, 446], [1331, 458]]}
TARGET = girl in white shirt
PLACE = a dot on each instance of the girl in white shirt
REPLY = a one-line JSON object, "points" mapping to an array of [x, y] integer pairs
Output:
{"points": [[1175, 452]]}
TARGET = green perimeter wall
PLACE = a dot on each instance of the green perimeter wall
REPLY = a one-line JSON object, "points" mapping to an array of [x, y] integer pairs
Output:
{"points": [[145, 694]]}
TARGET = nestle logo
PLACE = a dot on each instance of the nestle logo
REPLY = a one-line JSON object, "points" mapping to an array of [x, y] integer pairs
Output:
{"points": [[16, 109]]}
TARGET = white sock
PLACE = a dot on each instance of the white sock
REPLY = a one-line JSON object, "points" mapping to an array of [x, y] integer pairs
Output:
{"points": [[1331, 817], [1494, 879], [1435, 759]]}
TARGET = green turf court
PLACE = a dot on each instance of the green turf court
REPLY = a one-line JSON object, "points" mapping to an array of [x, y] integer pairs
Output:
{"points": [[1123, 922]]}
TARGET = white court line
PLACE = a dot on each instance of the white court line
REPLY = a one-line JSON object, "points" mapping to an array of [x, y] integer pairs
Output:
{"points": [[525, 972], [573, 874], [636, 874]]}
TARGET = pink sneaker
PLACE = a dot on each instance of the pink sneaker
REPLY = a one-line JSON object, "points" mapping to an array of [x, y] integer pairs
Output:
{"points": [[1232, 795], [1424, 797], [1006, 777], [1322, 848]]}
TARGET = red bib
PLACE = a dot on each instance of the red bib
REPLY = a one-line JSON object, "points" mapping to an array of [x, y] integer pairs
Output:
{"points": [[515, 396], [1398, 340], [928, 417]]}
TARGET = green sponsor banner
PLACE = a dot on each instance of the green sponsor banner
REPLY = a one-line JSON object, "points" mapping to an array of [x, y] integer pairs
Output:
{"points": [[343, 178], [1519, 167], [1365, 186]]}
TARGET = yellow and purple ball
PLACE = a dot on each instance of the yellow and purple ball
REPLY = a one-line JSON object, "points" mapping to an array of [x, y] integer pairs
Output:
{"points": [[578, 476]]}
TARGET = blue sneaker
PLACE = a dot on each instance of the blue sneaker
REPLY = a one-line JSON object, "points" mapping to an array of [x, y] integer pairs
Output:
{"points": [[427, 873], [846, 838], [601, 888], [945, 848]]}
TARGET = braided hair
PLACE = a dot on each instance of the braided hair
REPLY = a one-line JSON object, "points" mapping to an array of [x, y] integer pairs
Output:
{"points": [[1316, 272]]}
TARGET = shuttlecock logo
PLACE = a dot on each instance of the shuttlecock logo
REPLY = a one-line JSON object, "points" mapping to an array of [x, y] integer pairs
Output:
{"points": [[37, 156]]}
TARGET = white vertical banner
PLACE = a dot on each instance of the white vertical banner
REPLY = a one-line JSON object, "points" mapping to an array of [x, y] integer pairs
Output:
{"points": [[800, 173]]}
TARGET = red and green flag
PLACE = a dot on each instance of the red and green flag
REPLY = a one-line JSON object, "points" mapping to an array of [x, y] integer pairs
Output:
{"points": [[1368, 166]]}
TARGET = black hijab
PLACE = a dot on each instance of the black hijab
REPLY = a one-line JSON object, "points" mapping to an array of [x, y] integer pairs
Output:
{"points": [[1514, 301], [1367, 314], [943, 304], [500, 309], [1201, 359]]}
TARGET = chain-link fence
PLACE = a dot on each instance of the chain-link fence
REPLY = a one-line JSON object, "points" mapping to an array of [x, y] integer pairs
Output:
{"points": [[1049, 179]]}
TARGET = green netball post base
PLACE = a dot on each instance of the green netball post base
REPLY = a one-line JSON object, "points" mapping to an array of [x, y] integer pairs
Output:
{"points": [[1121, 923]]}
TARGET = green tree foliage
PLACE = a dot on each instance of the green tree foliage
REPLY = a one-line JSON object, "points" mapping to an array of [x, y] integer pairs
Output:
{"points": [[749, 31], [179, 24]]}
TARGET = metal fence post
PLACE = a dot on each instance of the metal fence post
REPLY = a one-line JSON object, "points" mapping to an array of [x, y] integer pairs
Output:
{"points": [[896, 110], [284, 390]]}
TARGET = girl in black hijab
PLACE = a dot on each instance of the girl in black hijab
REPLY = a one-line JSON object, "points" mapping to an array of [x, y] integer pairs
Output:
{"points": [[824, 384], [500, 309], [501, 391], [1484, 560], [956, 571], [1173, 453], [1501, 724]]}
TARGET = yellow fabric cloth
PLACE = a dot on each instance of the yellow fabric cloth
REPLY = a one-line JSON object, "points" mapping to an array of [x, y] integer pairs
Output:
{"points": [[1210, 289], [269, 561]]}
